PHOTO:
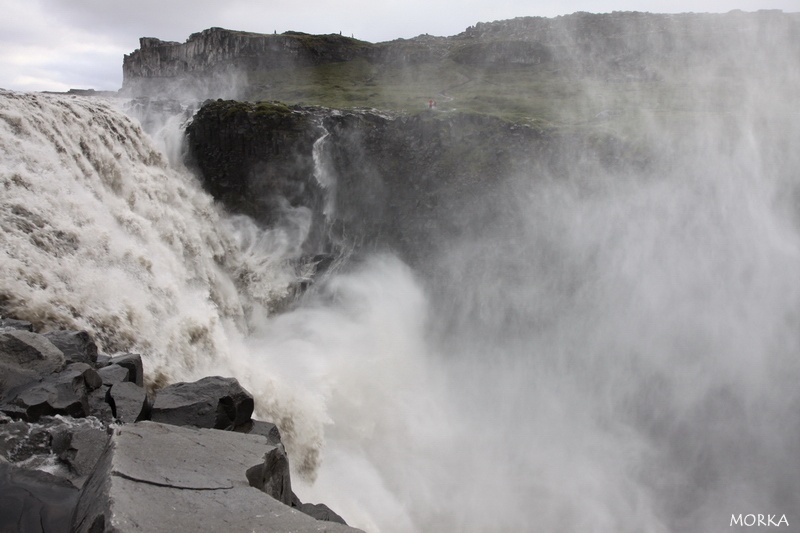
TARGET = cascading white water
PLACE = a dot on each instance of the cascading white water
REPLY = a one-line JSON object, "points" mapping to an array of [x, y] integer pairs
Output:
{"points": [[99, 233], [324, 175], [616, 353]]}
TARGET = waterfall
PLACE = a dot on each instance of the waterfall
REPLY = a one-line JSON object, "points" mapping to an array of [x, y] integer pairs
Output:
{"points": [[324, 175], [614, 351], [100, 233]]}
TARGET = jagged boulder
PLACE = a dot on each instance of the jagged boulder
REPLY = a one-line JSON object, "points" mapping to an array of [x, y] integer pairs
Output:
{"points": [[26, 357], [114, 373], [79, 448], [259, 427], [62, 393], [77, 346], [272, 475], [128, 402], [212, 402], [320, 511], [133, 362], [163, 478]]}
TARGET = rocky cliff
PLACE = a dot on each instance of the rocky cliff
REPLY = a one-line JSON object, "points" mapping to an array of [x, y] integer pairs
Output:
{"points": [[217, 61], [224, 63], [85, 448], [411, 183]]}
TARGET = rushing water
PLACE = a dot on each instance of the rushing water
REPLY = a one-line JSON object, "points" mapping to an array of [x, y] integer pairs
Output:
{"points": [[616, 353]]}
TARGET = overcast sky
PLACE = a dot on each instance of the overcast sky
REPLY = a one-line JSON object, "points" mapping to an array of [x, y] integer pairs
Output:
{"points": [[61, 44]]}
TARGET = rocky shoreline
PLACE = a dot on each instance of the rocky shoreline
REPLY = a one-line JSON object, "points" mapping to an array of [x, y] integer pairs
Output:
{"points": [[86, 447]]}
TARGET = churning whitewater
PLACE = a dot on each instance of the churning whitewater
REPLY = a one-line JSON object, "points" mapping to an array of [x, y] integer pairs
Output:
{"points": [[613, 353]]}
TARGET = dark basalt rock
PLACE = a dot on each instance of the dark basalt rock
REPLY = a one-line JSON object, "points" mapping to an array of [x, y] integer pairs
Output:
{"points": [[115, 373], [32, 501], [59, 416], [26, 357], [79, 448], [403, 182], [99, 405], [133, 362], [63, 393], [272, 476], [265, 429], [216, 61], [320, 511], [128, 402], [212, 402], [168, 478], [77, 346]]}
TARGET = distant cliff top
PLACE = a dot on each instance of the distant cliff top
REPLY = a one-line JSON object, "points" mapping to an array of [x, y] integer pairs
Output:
{"points": [[518, 65]]}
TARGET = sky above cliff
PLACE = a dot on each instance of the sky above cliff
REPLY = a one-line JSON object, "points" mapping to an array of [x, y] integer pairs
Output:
{"points": [[60, 44]]}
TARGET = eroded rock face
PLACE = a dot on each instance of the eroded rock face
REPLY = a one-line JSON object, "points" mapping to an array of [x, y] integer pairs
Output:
{"points": [[256, 157], [398, 181]]}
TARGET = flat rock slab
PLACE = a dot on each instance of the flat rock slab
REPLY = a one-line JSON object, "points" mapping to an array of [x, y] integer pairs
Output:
{"points": [[161, 478]]}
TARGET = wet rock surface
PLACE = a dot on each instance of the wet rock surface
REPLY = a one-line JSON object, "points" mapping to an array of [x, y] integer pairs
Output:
{"points": [[79, 453]]}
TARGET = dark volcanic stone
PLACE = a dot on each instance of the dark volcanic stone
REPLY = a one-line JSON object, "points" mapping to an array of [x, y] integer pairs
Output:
{"points": [[320, 511], [114, 373], [258, 427], [91, 378], [128, 402], [64, 393], [99, 406], [77, 346], [272, 476], [164, 479], [32, 350], [133, 362], [212, 402], [80, 448], [32, 501]]}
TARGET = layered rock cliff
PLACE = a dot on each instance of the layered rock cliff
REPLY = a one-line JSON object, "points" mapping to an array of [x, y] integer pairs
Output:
{"points": [[223, 63], [217, 61]]}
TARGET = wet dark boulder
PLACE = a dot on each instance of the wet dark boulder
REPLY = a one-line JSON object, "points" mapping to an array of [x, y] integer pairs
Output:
{"points": [[259, 427], [150, 470], [114, 373], [128, 401], [61, 393], [212, 402], [26, 357], [132, 362], [33, 501], [272, 475], [79, 447], [77, 346], [320, 511]]}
